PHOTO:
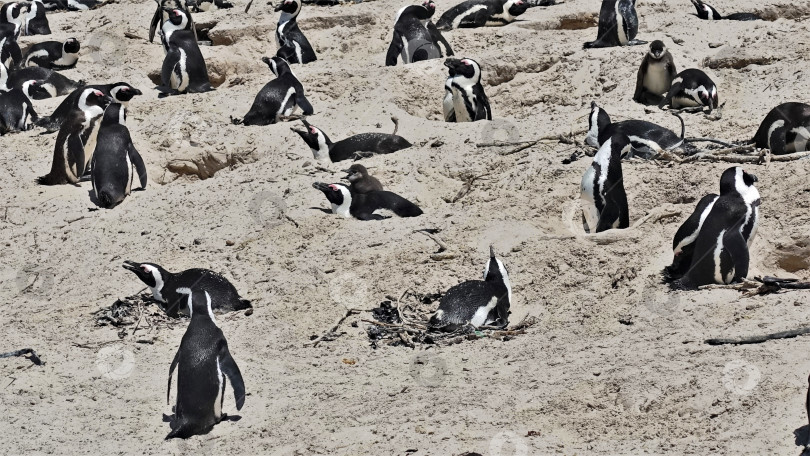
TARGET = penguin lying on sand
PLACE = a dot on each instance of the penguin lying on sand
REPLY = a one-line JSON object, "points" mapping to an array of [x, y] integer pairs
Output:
{"points": [[114, 159], [647, 139], [691, 88], [278, 98], [163, 285], [786, 129], [363, 206], [353, 147], [16, 110], [476, 302], [121, 93], [480, 13], [707, 12], [53, 83], [53, 54], [618, 25], [604, 201]]}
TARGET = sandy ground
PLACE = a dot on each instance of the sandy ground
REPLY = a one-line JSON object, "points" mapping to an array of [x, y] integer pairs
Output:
{"points": [[616, 364]]}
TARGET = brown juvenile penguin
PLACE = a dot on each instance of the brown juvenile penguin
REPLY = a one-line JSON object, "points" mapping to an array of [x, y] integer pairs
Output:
{"points": [[360, 180]]}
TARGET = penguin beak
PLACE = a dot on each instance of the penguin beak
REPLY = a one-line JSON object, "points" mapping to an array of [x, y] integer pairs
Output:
{"points": [[278, 8], [451, 63], [754, 178], [132, 266], [322, 187]]}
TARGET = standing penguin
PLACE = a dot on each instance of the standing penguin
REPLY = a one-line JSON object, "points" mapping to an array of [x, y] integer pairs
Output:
{"points": [[464, 97], [53, 54], [480, 13], [364, 206], [720, 255], [76, 140], [292, 44], [36, 23], [360, 181], [786, 129], [618, 25], [604, 201], [412, 40], [121, 92], [184, 69], [476, 302], [655, 74], [683, 244], [707, 12], [435, 35], [16, 110], [691, 88], [114, 158], [203, 363], [279, 97], [163, 13]]}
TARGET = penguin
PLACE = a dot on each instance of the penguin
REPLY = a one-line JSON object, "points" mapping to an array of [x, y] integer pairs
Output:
{"points": [[11, 25], [362, 206], [16, 110], [707, 12], [720, 254], [36, 23], [53, 54], [121, 93], [691, 88], [647, 138], [411, 39], [76, 140], [292, 44], [604, 200], [184, 69], [114, 158], [53, 83], [70, 5], [164, 284], [353, 147], [618, 25], [655, 74], [360, 181], [476, 302], [435, 35], [13, 16], [204, 366], [279, 97], [683, 245], [201, 6], [786, 129], [163, 14], [464, 97], [480, 13]]}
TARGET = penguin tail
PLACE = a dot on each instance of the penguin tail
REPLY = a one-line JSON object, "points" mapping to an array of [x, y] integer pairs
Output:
{"points": [[47, 180], [410, 211]]}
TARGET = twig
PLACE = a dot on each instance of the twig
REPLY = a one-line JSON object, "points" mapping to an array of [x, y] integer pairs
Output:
{"points": [[760, 338], [132, 36], [395, 119], [445, 251], [334, 327], [25, 351], [467, 187]]}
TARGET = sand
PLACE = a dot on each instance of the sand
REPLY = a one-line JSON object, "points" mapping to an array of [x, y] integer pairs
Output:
{"points": [[616, 363]]}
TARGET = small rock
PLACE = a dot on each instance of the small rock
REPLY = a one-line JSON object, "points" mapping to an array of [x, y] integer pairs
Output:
{"points": [[715, 45], [229, 243]]}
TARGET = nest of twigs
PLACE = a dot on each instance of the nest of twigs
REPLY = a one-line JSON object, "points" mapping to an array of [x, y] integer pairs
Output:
{"points": [[133, 313]]}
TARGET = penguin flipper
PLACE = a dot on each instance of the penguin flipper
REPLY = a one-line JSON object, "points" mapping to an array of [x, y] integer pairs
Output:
{"points": [[302, 102], [137, 161], [640, 81], [436, 37], [675, 88], [228, 367], [734, 243], [153, 25], [75, 153], [394, 49], [171, 371]]}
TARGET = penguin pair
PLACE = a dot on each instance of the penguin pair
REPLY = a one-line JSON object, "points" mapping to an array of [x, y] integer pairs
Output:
{"points": [[366, 206], [16, 110], [184, 69], [707, 12], [481, 13], [293, 46], [692, 88], [114, 159], [53, 83], [200, 6], [360, 181], [786, 129], [655, 75], [618, 25], [351, 148], [464, 97], [278, 98], [415, 37], [476, 303], [120, 92], [53, 54], [646, 138], [163, 13], [711, 247], [604, 201], [204, 366], [164, 284], [36, 23], [71, 5]]}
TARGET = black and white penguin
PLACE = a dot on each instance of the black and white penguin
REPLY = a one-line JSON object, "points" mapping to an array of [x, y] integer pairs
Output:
{"points": [[412, 41], [353, 147], [36, 23], [292, 44], [278, 98], [76, 140], [163, 13], [786, 129], [12, 17], [476, 302], [16, 110], [435, 35], [720, 252], [691, 88], [655, 74], [53, 84], [363, 206], [707, 12], [53, 54], [114, 159], [12, 21], [683, 244], [480, 13], [618, 25], [164, 284], [184, 69], [121, 93], [200, 6], [464, 97], [360, 181], [647, 138], [203, 364], [604, 201]]}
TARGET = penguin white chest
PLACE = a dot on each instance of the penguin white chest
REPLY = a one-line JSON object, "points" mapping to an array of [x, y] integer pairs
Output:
{"points": [[179, 77], [460, 97], [656, 80]]}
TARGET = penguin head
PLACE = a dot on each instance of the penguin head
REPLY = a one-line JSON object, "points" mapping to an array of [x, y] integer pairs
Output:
{"points": [[32, 87], [516, 7], [598, 122], [151, 274], [464, 69], [289, 6], [178, 18], [430, 5], [657, 49], [115, 113], [707, 95], [71, 46], [495, 272], [736, 180], [278, 65], [339, 195], [94, 100], [355, 173], [13, 13], [122, 92], [316, 139]]}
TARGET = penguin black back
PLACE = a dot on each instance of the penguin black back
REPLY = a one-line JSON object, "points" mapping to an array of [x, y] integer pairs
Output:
{"points": [[114, 159], [683, 244], [785, 129], [184, 69], [36, 22], [603, 196], [353, 147], [363, 206], [690, 88], [411, 40], [480, 13], [708, 12], [293, 46], [53, 83]]}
